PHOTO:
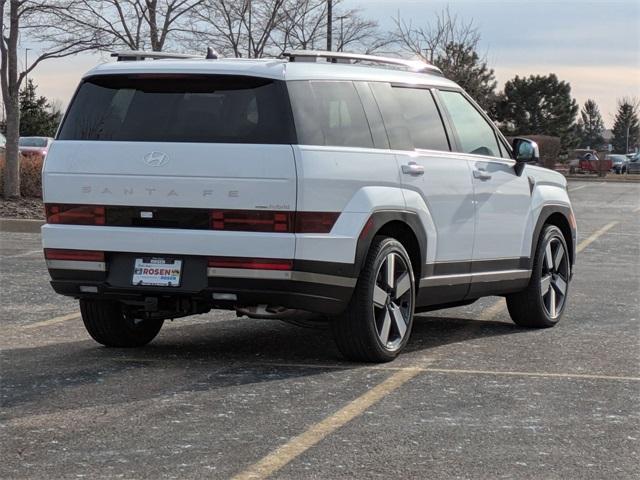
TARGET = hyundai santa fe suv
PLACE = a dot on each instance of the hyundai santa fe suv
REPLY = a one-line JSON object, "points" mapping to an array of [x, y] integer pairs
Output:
{"points": [[308, 187]]}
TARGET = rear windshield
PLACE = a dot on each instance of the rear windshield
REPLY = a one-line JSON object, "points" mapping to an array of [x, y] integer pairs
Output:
{"points": [[180, 108], [32, 142]]}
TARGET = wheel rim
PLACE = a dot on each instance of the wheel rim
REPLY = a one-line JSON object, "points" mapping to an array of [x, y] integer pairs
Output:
{"points": [[554, 280], [392, 301]]}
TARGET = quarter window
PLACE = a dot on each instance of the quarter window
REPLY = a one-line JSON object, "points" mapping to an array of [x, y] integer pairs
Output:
{"points": [[476, 135], [329, 113]]}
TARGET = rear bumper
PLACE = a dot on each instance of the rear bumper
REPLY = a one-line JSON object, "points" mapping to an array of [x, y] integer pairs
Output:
{"points": [[319, 287]]}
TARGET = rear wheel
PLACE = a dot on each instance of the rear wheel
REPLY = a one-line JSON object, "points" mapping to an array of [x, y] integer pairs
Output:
{"points": [[543, 302], [108, 324], [377, 324]]}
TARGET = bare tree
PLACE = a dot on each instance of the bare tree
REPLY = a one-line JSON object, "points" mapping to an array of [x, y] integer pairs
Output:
{"points": [[237, 28], [134, 24], [356, 33], [304, 26], [22, 17], [431, 40], [261, 28], [451, 44]]}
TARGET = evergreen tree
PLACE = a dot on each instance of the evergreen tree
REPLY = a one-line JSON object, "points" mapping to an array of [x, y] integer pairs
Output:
{"points": [[590, 126], [460, 62], [539, 105], [626, 130], [37, 117]]}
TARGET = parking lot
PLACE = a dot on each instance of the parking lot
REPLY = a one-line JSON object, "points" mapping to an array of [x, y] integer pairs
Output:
{"points": [[215, 396]]}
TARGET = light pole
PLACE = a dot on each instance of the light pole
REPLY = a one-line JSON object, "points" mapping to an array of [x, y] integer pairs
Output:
{"points": [[628, 128], [249, 32], [341, 18], [329, 24], [26, 67]]}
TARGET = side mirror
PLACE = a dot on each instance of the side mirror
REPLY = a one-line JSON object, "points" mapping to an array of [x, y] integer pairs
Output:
{"points": [[526, 151]]}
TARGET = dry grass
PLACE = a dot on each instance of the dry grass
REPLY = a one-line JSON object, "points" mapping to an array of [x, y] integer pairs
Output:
{"points": [[30, 175]]}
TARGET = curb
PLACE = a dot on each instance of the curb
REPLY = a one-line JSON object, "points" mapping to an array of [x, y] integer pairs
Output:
{"points": [[595, 178], [20, 225]]}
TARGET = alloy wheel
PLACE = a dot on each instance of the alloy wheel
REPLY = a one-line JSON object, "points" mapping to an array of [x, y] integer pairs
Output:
{"points": [[554, 280], [392, 301]]}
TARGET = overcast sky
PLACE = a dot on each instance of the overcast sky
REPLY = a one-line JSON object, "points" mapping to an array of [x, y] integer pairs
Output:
{"points": [[593, 44]]}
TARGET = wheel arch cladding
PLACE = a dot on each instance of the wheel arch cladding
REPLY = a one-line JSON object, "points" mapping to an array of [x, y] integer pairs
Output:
{"points": [[559, 216], [405, 227]]}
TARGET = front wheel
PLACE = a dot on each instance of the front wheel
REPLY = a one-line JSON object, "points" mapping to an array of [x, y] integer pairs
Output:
{"points": [[377, 324], [108, 324], [543, 302]]}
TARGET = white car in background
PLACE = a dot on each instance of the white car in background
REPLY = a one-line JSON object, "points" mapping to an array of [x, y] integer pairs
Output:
{"points": [[34, 145]]}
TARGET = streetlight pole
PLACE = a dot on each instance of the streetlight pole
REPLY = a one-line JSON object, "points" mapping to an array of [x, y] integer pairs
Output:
{"points": [[329, 24], [341, 18], [26, 67], [249, 32], [628, 128]]}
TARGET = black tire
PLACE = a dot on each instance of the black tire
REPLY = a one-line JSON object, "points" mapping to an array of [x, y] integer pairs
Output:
{"points": [[107, 324], [360, 330], [532, 307]]}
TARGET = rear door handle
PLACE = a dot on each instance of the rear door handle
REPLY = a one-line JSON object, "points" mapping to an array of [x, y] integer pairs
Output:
{"points": [[481, 174], [413, 169]]}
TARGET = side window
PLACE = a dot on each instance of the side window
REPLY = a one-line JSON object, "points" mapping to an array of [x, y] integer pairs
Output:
{"points": [[475, 134], [422, 118], [329, 113]]}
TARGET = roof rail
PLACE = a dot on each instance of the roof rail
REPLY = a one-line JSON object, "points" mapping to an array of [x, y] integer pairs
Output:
{"points": [[134, 55], [344, 57]]}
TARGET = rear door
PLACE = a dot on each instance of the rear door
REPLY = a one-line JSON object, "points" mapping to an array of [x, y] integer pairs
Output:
{"points": [[441, 180], [183, 144]]}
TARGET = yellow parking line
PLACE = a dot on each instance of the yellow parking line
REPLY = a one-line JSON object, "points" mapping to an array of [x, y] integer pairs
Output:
{"points": [[534, 374], [295, 447], [52, 321], [579, 187], [494, 310], [283, 455], [592, 238]]}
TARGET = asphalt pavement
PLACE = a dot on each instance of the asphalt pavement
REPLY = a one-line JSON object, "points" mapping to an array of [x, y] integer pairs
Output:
{"points": [[214, 396]]}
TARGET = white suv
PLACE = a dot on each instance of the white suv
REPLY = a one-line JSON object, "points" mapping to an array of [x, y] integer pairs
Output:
{"points": [[360, 194]]}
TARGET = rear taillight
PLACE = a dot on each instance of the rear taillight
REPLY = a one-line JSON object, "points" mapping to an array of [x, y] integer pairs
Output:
{"points": [[78, 255], [75, 214], [315, 222], [251, 263], [251, 221]]}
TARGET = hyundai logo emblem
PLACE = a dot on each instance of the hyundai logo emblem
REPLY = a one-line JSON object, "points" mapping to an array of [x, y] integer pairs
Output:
{"points": [[156, 159]]}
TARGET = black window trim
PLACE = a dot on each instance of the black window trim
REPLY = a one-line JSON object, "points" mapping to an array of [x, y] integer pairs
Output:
{"points": [[380, 142], [500, 140]]}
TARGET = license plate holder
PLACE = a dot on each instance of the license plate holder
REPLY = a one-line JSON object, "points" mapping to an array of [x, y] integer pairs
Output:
{"points": [[157, 272]]}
